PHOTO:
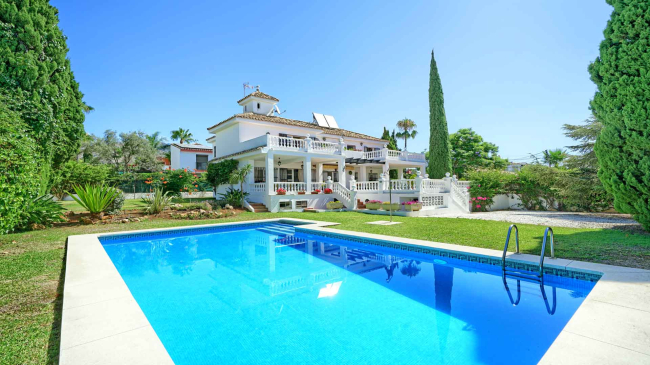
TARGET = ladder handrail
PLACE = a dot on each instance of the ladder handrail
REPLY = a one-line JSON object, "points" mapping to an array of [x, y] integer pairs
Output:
{"points": [[541, 257], [505, 249]]}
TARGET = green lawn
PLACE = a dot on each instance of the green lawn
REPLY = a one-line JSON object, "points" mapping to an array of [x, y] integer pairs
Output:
{"points": [[31, 263]]}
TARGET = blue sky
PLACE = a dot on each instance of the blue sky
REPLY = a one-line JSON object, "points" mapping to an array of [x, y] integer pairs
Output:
{"points": [[514, 71]]}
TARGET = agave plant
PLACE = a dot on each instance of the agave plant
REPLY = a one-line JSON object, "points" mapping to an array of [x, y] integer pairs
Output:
{"points": [[94, 198], [41, 211], [158, 201]]}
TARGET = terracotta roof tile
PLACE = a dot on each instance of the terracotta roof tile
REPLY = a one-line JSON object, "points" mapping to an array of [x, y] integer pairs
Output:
{"points": [[299, 123], [258, 94], [236, 154]]}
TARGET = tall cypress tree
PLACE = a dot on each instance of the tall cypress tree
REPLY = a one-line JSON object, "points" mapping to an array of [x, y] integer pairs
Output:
{"points": [[36, 79], [439, 158], [622, 104]]}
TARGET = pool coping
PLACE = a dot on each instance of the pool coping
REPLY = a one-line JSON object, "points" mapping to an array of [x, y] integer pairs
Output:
{"points": [[103, 324]]}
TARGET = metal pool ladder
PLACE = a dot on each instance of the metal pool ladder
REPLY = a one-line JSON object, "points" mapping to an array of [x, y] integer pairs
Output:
{"points": [[513, 272]]}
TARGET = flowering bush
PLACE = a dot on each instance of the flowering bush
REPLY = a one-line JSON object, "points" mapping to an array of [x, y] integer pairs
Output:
{"points": [[177, 181], [317, 191], [374, 202], [328, 191], [281, 191], [412, 202]]}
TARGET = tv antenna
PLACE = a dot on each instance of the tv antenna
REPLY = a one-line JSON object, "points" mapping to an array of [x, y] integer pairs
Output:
{"points": [[247, 86]]}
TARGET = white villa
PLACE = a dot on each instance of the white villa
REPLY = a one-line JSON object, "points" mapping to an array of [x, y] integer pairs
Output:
{"points": [[193, 156], [303, 157]]}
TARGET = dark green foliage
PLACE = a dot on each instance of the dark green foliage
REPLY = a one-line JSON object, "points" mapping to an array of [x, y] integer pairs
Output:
{"points": [[486, 184], [439, 158], [586, 134], [469, 151], [74, 173], [622, 104], [19, 179], [36, 76], [391, 138], [41, 212], [219, 173], [94, 198], [234, 197], [125, 152]]}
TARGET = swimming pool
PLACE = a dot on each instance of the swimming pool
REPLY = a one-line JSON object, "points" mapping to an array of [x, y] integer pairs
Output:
{"points": [[265, 293]]}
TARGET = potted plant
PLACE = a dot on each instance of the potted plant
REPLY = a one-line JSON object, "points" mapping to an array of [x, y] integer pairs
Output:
{"points": [[373, 204], [316, 191], [334, 205], [281, 191], [412, 206], [328, 191], [301, 192], [390, 206]]}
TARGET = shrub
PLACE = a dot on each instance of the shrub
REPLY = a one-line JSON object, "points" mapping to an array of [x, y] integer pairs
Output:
{"points": [[486, 184], [158, 201], [19, 179], [234, 197], [536, 187], [581, 190], [74, 173], [94, 198], [328, 191], [115, 207], [219, 173], [42, 211]]}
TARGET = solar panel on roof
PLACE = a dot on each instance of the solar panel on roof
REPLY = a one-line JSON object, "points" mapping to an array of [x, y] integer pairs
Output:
{"points": [[331, 122], [320, 120]]}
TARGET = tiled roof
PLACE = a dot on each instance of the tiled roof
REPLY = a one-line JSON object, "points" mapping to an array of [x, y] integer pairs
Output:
{"points": [[299, 123], [187, 146], [258, 94], [236, 154]]}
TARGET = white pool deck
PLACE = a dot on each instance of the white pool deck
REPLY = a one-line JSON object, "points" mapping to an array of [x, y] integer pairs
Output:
{"points": [[103, 324]]}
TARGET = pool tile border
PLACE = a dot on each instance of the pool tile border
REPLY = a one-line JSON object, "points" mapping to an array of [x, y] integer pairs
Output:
{"points": [[88, 263]]}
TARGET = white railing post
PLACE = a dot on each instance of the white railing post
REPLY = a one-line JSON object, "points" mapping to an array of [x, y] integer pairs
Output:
{"points": [[353, 183], [342, 146], [418, 184], [308, 142], [329, 183], [447, 181]]}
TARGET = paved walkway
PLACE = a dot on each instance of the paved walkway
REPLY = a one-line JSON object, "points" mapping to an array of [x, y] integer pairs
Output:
{"points": [[556, 219]]}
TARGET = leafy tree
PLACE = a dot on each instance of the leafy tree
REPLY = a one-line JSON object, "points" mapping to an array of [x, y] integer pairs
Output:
{"points": [[219, 173], [439, 158], [407, 128], [586, 134], [469, 151], [38, 81], [183, 136], [391, 138], [126, 152], [74, 173], [238, 176], [553, 158], [622, 104]]}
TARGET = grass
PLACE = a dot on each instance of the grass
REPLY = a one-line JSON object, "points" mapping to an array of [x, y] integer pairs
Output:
{"points": [[130, 204], [32, 263]]}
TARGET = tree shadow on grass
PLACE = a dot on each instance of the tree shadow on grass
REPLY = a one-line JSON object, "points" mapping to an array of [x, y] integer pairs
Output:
{"points": [[54, 342]]}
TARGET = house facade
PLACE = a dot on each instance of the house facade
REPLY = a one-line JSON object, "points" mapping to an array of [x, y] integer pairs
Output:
{"points": [[300, 158], [193, 157]]}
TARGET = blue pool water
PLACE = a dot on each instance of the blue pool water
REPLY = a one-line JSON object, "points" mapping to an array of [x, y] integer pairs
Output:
{"points": [[268, 295]]}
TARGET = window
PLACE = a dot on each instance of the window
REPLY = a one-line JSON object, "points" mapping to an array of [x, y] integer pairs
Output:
{"points": [[285, 205], [350, 147], [373, 176], [201, 162], [258, 105], [260, 174], [301, 204], [214, 151]]}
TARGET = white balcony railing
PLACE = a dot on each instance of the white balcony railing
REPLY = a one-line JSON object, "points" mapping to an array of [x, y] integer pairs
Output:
{"points": [[257, 188], [290, 187], [325, 147], [368, 186], [286, 143], [406, 184], [434, 186]]}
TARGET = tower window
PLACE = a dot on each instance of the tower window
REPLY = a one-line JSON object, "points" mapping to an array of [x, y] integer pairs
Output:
{"points": [[258, 105]]}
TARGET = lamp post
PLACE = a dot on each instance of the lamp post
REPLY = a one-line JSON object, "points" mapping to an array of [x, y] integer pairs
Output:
{"points": [[390, 198]]}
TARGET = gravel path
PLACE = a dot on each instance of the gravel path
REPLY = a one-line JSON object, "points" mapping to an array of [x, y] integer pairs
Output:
{"points": [[557, 219]]}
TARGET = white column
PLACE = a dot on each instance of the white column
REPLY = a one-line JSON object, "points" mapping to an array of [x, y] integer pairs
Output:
{"points": [[306, 169], [269, 172], [362, 173], [385, 167], [400, 173], [319, 171], [342, 172]]}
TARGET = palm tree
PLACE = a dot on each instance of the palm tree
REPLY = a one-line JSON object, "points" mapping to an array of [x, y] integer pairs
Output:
{"points": [[239, 176], [156, 141], [407, 128], [183, 135], [554, 157]]}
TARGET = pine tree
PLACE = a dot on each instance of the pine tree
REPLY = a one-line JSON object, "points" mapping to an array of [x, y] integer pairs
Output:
{"points": [[439, 158], [392, 140], [622, 104], [36, 79]]}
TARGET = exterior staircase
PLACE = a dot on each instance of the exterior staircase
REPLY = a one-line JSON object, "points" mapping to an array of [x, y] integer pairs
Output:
{"points": [[360, 204], [259, 207]]}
